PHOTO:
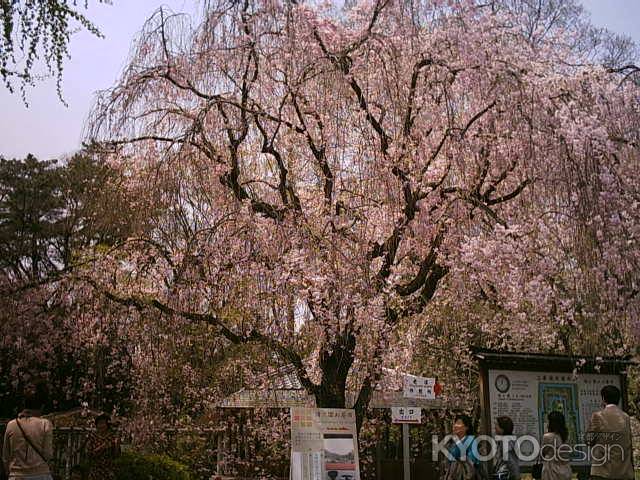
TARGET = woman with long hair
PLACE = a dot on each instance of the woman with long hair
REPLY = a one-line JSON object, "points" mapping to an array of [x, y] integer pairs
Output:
{"points": [[555, 451], [505, 464]]}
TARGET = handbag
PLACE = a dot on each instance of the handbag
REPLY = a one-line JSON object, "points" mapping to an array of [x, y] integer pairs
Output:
{"points": [[536, 470], [461, 470]]}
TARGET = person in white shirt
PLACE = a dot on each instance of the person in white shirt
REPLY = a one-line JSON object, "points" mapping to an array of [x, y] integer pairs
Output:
{"points": [[28, 444]]}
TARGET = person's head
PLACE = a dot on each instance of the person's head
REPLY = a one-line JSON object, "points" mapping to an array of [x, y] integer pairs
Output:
{"points": [[462, 426], [504, 426], [102, 423], [610, 394], [558, 426], [34, 400]]}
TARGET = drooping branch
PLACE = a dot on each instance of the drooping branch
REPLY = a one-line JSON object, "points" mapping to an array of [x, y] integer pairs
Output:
{"points": [[342, 62], [318, 151], [287, 354]]}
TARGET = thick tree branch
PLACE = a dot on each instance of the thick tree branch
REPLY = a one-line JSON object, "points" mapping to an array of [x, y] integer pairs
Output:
{"points": [[425, 268], [509, 196], [319, 153]]}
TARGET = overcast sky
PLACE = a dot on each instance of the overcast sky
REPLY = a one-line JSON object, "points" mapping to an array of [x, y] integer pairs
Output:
{"points": [[48, 129]]}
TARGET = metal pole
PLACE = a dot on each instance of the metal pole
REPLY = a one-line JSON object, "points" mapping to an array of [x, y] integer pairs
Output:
{"points": [[406, 466]]}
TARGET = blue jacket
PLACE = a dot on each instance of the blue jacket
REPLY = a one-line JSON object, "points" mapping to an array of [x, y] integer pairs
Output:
{"points": [[470, 447]]}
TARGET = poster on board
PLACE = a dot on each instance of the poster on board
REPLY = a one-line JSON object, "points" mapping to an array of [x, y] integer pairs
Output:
{"points": [[324, 444], [528, 397]]}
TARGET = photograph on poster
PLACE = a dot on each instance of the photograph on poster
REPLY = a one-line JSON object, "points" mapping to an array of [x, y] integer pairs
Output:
{"points": [[339, 456]]}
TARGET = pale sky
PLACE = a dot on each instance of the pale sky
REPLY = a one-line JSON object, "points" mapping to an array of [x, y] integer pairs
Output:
{"points": [[48, 129]]}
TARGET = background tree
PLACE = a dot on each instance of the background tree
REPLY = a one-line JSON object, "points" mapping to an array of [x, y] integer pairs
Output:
{"points": [[49, 212], [541, 19], [357, 164], [30, 206]]}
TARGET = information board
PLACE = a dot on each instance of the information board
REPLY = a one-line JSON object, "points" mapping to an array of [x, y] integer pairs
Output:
{"points": [[324, 444], [528, 397]]}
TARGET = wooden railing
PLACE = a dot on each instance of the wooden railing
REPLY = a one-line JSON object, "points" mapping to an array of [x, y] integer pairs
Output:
{"points": [[68, 447]]}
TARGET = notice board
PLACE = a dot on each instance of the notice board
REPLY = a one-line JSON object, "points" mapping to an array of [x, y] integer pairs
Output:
{"points": [[526, 387]]}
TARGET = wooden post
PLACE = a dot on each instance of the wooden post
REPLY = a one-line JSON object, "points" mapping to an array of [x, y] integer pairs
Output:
{"points": [[379, 438], [219, 452], [406, 454], [485, 413]]}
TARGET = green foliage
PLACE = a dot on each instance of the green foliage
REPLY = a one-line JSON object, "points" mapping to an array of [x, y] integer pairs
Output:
{"points": [[49, 211], [134, 466], [29, 209], [38, 30]]}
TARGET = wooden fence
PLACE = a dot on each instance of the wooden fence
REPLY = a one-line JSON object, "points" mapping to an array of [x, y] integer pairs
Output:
{"points": [[69, 450], [68, 445]]}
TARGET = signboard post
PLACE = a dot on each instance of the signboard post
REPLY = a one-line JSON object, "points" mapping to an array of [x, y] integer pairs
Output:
{"points": [[324, 444], [406, 416], [406, 464], [415, 388]]}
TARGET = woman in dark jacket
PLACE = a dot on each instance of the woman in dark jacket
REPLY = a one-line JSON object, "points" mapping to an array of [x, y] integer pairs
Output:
{"points": [[505, 464]]}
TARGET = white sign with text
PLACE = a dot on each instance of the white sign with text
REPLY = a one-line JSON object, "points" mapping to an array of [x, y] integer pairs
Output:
{"points": [[419, 387], [406, 415]]}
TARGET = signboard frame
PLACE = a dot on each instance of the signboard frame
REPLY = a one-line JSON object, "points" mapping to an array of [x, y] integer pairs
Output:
{"points": [[543, 363], [323, 439]]}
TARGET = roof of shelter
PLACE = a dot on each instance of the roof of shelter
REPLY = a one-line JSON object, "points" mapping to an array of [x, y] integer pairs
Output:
{"points": [[282, 389]]}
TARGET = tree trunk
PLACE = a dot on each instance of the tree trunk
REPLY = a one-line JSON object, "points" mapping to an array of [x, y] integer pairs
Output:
{"points": [[336, 360]]}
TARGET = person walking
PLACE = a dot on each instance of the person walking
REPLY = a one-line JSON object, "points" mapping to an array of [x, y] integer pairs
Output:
{"points": [[28, 443], [102, 448], [609, 435], [555, 452]]}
